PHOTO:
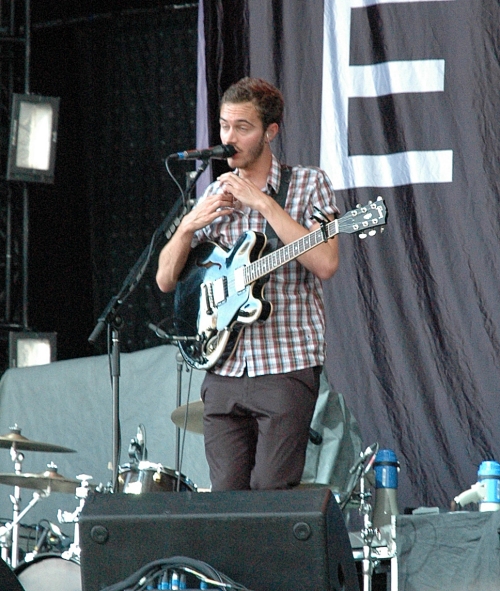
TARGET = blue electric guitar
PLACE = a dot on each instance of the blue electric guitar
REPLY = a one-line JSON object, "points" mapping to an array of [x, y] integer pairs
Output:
{"points": [[221, 291]]}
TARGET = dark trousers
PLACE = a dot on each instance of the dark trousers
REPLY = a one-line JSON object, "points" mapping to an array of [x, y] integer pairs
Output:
{"points": [[256, 429]]}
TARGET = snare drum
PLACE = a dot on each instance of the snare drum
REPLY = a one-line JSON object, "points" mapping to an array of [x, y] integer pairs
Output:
{"points": [[149, 477], [50, 572]]}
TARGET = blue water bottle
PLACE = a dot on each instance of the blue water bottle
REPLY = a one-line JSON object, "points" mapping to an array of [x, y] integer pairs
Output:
{"points": [[488, 476], [386, 469]]}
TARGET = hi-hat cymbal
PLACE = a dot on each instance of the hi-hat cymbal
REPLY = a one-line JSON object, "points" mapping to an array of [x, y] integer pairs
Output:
{"points": [[15, 439], [49, 480], [194, 412]]}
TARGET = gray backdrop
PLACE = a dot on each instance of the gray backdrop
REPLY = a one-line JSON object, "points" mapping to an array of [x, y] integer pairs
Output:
{"points": [[69, 403]]}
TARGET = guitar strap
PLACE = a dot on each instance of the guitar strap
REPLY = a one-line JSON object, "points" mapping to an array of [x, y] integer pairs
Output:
{"points": [[280, 197]]}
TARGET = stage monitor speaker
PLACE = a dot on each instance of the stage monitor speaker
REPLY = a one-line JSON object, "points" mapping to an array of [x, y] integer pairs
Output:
{"points": [[8, 580], [264, 540]]}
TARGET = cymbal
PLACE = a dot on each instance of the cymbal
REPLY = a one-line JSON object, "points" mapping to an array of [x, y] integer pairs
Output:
{"points": [[194, 411], [14, 438], [48, 480]]}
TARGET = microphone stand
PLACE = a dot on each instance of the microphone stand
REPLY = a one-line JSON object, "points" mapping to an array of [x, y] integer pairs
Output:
{"points": [[180, 367], [361, 467], [110, 316]]}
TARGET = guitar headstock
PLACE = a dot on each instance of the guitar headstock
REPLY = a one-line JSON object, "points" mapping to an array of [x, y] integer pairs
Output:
{"points": [[365, 219]]}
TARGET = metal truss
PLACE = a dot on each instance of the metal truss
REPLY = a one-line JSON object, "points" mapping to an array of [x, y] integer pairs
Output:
{"points": [[15, 53]]}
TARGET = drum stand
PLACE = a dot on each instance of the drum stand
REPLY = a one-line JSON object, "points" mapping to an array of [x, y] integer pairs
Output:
{"points": [[13, 527], [66, 517], [9, 534]]}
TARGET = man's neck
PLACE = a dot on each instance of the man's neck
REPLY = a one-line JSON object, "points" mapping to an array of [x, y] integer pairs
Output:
{"points": [[259, 171]]}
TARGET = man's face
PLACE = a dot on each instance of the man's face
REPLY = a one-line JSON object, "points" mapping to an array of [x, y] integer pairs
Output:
{"points": [[241, 126]]}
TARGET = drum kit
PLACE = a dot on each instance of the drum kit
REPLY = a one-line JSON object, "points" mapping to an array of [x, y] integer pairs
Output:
{"points": [[42, 569]]}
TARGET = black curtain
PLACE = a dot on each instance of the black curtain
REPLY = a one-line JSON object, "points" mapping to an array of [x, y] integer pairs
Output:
{"points": [[227, 59], [412, 315], [127, 83]]}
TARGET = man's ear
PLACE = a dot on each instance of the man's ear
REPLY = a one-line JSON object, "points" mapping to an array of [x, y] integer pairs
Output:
{"points": [[272, 131]]}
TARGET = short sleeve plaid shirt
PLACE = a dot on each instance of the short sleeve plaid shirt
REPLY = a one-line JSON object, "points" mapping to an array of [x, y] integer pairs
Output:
{"points": [[292, 338]]}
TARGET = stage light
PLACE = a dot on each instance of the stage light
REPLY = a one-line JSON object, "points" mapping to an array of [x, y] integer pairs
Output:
{"points": [[32, 348], [33, 138]]}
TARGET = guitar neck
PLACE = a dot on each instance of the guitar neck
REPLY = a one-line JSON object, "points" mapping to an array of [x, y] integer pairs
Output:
{"points": [[276, 259]]}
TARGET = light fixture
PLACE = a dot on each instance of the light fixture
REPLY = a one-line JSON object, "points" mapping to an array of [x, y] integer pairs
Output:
{"points": [[33, 138], [32, 348]]}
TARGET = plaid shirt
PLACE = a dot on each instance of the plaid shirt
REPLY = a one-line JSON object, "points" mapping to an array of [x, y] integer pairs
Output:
{"points": [[292, 337]]}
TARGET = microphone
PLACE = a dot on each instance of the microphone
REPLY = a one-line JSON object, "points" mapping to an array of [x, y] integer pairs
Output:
{"points": [[41, 541], [222, 152], [51, 535], [369, 452]]}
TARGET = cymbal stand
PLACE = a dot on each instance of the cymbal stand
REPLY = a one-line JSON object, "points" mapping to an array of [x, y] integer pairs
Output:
{"points": [[359, 470], [66, 517], [180, 367], [13, 526], [17, 457]]}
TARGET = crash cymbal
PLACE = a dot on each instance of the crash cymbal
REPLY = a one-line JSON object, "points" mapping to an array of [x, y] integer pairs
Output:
{"points": [[194, 412], [49, 480], [14, 438]]}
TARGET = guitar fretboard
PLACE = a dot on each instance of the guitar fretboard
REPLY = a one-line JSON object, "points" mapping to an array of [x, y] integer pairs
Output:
{"points": [[276, 259]]}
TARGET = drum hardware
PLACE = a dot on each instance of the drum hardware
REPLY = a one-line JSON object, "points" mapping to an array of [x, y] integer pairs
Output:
{"points": [[16, 442], [45, 483], [7, 537], [368, 533], [137, 450], [17, 458], [66, 517]]}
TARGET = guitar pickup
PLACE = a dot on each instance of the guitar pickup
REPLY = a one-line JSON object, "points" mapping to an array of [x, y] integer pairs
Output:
{"points": [[219, 290]]}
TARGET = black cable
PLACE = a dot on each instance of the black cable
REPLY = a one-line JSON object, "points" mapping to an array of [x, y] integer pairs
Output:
{"points": [[137, 581]]}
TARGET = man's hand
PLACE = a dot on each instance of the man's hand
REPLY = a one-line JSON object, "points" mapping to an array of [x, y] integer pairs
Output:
{"points": [[206, 211], [242, 190]]}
